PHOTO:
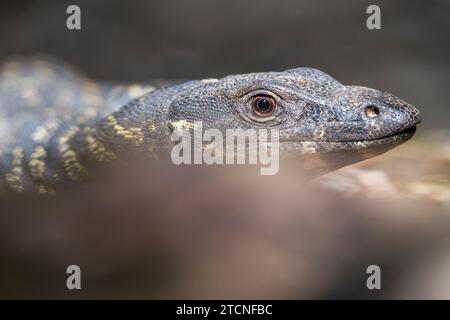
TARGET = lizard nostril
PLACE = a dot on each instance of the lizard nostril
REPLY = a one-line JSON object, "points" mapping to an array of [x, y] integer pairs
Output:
{"points": [[372, 111]]}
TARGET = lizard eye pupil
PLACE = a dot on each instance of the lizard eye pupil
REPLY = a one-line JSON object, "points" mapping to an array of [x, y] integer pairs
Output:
{"points": [[263, 106]]}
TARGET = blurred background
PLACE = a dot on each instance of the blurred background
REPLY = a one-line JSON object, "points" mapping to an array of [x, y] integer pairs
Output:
{"points": [[139, 40], [202, 233]]}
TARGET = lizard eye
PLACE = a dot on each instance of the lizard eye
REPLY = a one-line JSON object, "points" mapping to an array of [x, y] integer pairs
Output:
{"points": [[263, 105]]}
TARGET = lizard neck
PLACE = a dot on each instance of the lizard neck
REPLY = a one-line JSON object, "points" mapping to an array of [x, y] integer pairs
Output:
{"points": [[76, 149], [119, 134], [139, 128]]}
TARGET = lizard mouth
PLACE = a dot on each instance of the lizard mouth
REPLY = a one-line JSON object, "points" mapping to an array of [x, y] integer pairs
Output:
{"points": [[393, 139], [323, 156], [403, 135], [400, 137], [409, 132], [370, 145]]}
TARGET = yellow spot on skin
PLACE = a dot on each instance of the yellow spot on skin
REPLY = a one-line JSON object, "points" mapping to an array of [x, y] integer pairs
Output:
{"points": [[73, 167], [37, 168], [15, 178], [319, 133], [89, 130], [43, 189], [151, 126], [41, 134], [309, 147], [98, 150], [63, 145], [37, 163], [182, 125], [18, 156], [303, 82], [134, 134]]}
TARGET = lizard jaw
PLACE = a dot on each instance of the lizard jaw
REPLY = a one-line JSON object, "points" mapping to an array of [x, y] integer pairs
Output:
{"points": [[375, 146], [320, 157]]}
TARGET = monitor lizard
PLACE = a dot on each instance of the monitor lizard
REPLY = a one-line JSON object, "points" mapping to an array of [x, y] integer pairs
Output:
{"points": [[56, 123]]}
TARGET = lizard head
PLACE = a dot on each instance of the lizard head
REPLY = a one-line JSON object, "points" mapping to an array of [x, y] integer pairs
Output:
{"points": [[318, 118]]}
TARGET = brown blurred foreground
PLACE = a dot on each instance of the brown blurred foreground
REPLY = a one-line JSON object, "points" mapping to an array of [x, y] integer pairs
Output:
{"points": [[162, 231]]}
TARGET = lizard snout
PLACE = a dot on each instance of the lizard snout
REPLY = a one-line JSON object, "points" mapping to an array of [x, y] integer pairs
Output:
{"points": [[390, 116]]}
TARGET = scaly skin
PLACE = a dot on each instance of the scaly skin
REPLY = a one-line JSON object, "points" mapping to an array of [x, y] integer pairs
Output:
{"points": [[55, 124]]}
